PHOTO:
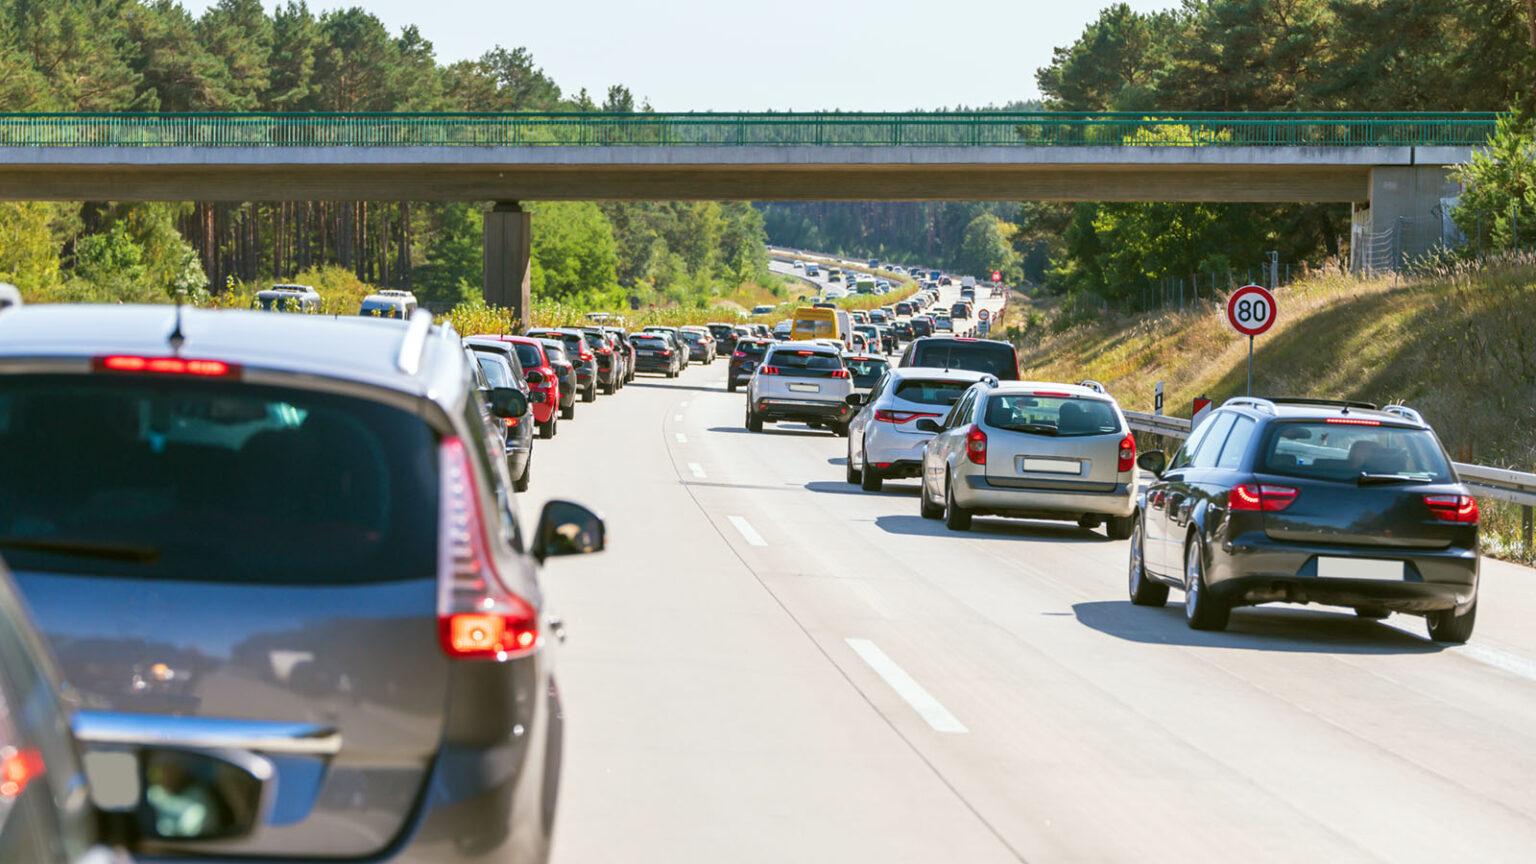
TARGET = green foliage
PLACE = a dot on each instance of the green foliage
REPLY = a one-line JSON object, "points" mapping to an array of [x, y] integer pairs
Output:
{"points": [[575, 258], [29, 252], [452, 270], [986, 248], [1498, 199]]}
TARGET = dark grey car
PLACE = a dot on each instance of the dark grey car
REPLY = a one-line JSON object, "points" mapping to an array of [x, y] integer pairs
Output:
{"points": [[499, 361], [292, 537]]}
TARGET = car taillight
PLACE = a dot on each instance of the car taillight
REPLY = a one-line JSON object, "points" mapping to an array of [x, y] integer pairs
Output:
{"points": [[477, 616], [18, 768], [586, 355], [900, 416], [739, 354], [768, 370], [1352, 421], [164, 366], [840, 373], [1461, 509], [604, 351], [976, 445], [1127, 453], [666, 352], [511, 422], [1254, 498]]}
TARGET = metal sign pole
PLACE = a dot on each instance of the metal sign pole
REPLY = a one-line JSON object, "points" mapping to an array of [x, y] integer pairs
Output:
{"points": [[1250, 365]]}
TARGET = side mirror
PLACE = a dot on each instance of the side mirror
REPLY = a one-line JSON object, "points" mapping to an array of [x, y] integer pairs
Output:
{"points": [[508, 402], [538, 397], [1153, 460], [855, 399], [566, 528], [152, 798], [928, 424]]}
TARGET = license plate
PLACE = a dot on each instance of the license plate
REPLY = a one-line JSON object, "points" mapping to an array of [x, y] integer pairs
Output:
{"points": [[647, 353], [1039, 465], [805, 388], [1359, 568]]}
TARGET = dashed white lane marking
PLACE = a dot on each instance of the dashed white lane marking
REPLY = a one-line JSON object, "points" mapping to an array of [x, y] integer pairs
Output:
{"points": [[677, 418], [908, 689], [697, 469], [747, 532], [681, 438]]}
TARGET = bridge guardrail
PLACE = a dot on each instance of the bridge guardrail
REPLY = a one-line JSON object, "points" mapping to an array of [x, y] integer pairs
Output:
{"points": [[712, 129], [1500, 484]]}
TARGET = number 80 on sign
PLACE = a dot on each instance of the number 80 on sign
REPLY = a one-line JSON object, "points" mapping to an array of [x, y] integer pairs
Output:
{"points": [[1251, 310]]}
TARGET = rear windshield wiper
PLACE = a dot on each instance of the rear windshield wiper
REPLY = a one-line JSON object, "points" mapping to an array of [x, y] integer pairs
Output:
{"points": [[108, 551], [1034, 429], [1383, 479]]}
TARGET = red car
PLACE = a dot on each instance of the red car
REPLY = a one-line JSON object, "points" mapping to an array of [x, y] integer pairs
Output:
{"points": [[541, 378]]}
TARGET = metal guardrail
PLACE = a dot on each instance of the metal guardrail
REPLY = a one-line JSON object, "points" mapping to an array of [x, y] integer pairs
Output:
{"points": [[709, 129], [1499, 484]]}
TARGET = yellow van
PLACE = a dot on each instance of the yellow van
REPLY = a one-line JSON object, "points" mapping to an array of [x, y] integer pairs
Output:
{"points": [[813, 322]]}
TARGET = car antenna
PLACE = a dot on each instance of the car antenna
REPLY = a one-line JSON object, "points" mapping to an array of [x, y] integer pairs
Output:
{"points": [[177, 338]]}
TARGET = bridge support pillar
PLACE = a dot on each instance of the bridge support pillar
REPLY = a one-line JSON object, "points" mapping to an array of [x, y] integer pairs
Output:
{"points": [[1407, 216], [507, 279]]}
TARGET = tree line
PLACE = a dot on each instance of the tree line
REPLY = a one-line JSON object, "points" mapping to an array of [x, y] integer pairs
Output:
{"points": [[153, 55]]}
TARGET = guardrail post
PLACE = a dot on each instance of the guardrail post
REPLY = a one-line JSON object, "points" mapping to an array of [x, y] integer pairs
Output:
{"points": [[1525, 519]]}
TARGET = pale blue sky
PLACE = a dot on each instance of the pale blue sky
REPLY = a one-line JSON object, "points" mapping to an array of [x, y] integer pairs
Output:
{"points": [[789, 54]]}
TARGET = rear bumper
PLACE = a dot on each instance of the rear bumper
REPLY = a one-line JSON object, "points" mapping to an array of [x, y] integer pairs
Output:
{"points": [[983, 497], [653, 364], [896, 470], [784, 408], [1255, 569], [884, 445]]}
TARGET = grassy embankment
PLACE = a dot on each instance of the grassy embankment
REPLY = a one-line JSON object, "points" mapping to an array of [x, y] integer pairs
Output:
{"points": [[1458, 344]]}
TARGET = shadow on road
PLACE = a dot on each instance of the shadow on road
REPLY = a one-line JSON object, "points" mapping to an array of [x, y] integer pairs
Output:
{"points": [[660, 384], [1254, 629], [841, 460], [837, 487], [772, 430], [1035, 532]]}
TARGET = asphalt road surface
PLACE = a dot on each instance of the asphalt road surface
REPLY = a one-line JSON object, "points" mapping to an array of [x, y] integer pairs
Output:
{"points": [[770, 665]]}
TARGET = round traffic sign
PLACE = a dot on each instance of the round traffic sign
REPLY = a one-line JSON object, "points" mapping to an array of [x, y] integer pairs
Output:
{"points": [[997, 276], [983, 315], [1251, 310]]}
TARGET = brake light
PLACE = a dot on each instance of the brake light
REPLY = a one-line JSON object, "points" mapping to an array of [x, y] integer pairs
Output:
{"points": [[976, 445], [511, 422], [739, 354], [667, 352], [17, 769], [477, 616], [839, 373], [586, 355], [1052, 393], [768, 370], [1127, 453], [604, 351], [806, 353], [164, 366], [1352, 421], [1254, 498], [1461, 509], [900, 416]]}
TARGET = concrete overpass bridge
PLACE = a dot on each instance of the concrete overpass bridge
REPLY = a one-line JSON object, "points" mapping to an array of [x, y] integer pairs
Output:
{"points": [[1390, 166]]}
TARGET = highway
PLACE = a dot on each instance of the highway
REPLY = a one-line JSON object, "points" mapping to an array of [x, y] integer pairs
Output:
{"points": [[772, 665]]}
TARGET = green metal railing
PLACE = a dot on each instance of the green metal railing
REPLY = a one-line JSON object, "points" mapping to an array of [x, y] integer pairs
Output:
{"points": [[959, 129]]}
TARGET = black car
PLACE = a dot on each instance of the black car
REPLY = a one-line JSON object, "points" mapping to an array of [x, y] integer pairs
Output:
{"points": [[610, 360], [991, 356], [960, 311], [922, 326], [726, 336], [554, 349], [656, 353], [498, 362], [579, 354], [749, 352], [1276, 500], [901, 330], [627, 352]]}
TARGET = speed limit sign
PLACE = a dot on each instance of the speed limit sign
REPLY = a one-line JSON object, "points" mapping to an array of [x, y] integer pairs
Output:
{"points": [[1251, 310]]}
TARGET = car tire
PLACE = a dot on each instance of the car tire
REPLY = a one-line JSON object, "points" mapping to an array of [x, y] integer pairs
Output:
{"points": [[521, 483], [850, 474], [839, 429], [956, 518], [1201, 610], [754, 423], [871, 481], [547, 430], [925, 506], [1144, 591], [569, 411], [591, 393], [730, 385], [1448, 627], [1119, 527]]}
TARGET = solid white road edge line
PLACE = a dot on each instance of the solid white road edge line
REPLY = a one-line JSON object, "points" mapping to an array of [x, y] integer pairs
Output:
{"points": [[747, 532], [697, 469], [908, 689]]}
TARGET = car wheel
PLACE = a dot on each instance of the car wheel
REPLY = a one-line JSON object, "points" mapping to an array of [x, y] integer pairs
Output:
{"points": [[754, 423], [1144, 591], [547, 430], [1446, 626], [956, 518], [925, 505], [591, 393], [871, 481], [569, 411], [839, 429], [521, 483], [1201, 610], [730, 385], [851, 474], [1119, 527]]}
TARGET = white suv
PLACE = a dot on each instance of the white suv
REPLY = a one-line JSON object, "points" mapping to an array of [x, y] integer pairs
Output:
{"points": [[801, 381]]}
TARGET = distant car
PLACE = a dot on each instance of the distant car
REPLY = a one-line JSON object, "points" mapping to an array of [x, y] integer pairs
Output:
{"points": [[994, 357], [626, 352], [701, 344], [289, 298], [576, 350], [782, 330], [878, 316], [922, 326], [610, 360], [884, 442], [865, 369], [554, 351], [762, 310], [389, 303], [1031, 450], [749, 351], [539, 372], [797, 265], [1280, 500], [960, 311], [656, 353], [800, 381], [904, 308], [942, 323], [725, 337], [498, 360], [678, 342], [901, 328]]}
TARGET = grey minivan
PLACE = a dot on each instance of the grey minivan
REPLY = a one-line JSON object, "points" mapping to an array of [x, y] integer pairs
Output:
{"points": [[288, 536]]}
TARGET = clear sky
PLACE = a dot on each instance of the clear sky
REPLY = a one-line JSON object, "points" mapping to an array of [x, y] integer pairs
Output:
{"points": [[726, 55]]}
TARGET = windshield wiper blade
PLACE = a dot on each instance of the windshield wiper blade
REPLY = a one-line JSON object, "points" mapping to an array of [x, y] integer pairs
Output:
{"points": [[1383, 479], [108, 551]]}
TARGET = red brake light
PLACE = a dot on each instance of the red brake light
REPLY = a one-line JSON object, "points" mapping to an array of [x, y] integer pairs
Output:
{"points": [[164, 366], [477, 616], [1352, 421], [17, 769], [900, 416], [806, 353], [1461, 509], [1052, 393], [839, 373], [1127, 453], [739, 354], [666, 352], [1253, 498], [976, 445], [768, 370]]}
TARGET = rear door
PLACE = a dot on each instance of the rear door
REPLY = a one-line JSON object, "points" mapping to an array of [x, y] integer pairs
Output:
{"points": [[247, 552], [1053, 440]]}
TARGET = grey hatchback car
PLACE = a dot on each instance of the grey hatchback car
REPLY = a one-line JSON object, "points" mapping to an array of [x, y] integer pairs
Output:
{"points": [[292, 537]]}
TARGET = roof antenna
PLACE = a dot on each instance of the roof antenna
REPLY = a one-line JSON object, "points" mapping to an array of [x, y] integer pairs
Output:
{"points": [[177, 338]]}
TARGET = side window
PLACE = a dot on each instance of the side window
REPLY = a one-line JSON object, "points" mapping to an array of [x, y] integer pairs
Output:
{"points": [[959, 410], [1181, 458], [1238, 440], [1204, 456], [879, 389]]}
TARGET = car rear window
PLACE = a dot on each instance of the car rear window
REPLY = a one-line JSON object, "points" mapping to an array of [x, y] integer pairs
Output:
{"points": [[1332, 451], [993, 358], [496, 368], [805, 360], [649, 343], [866, 370], [213, 480], [753, 348], [931, 391], [722, 331], [1063, 417], [528, 355]]}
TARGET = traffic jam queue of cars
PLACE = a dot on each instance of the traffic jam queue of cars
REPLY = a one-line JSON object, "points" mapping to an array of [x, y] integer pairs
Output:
{"points": [[1269, 500]]}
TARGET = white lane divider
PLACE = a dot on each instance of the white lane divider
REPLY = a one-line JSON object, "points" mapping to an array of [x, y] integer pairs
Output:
{"points": [[677, 418], [908, 689], [697, 469], [747, 532], [681, 438]]}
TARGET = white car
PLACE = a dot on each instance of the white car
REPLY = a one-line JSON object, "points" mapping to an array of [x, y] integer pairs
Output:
{"points": [[884, 442], [800, 381]]}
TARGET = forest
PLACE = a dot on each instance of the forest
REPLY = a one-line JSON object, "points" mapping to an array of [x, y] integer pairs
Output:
{"points": [[153, 55]]}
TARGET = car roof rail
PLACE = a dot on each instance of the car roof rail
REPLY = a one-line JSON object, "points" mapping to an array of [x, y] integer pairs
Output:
{"points": [[1093, 385], [1406, 413], [1251, 402], [414, 343], [990, 380], [1332, 403]]}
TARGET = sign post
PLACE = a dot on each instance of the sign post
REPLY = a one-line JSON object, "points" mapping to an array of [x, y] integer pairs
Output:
{"points": [[1157, 399], [1251, 311]]}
